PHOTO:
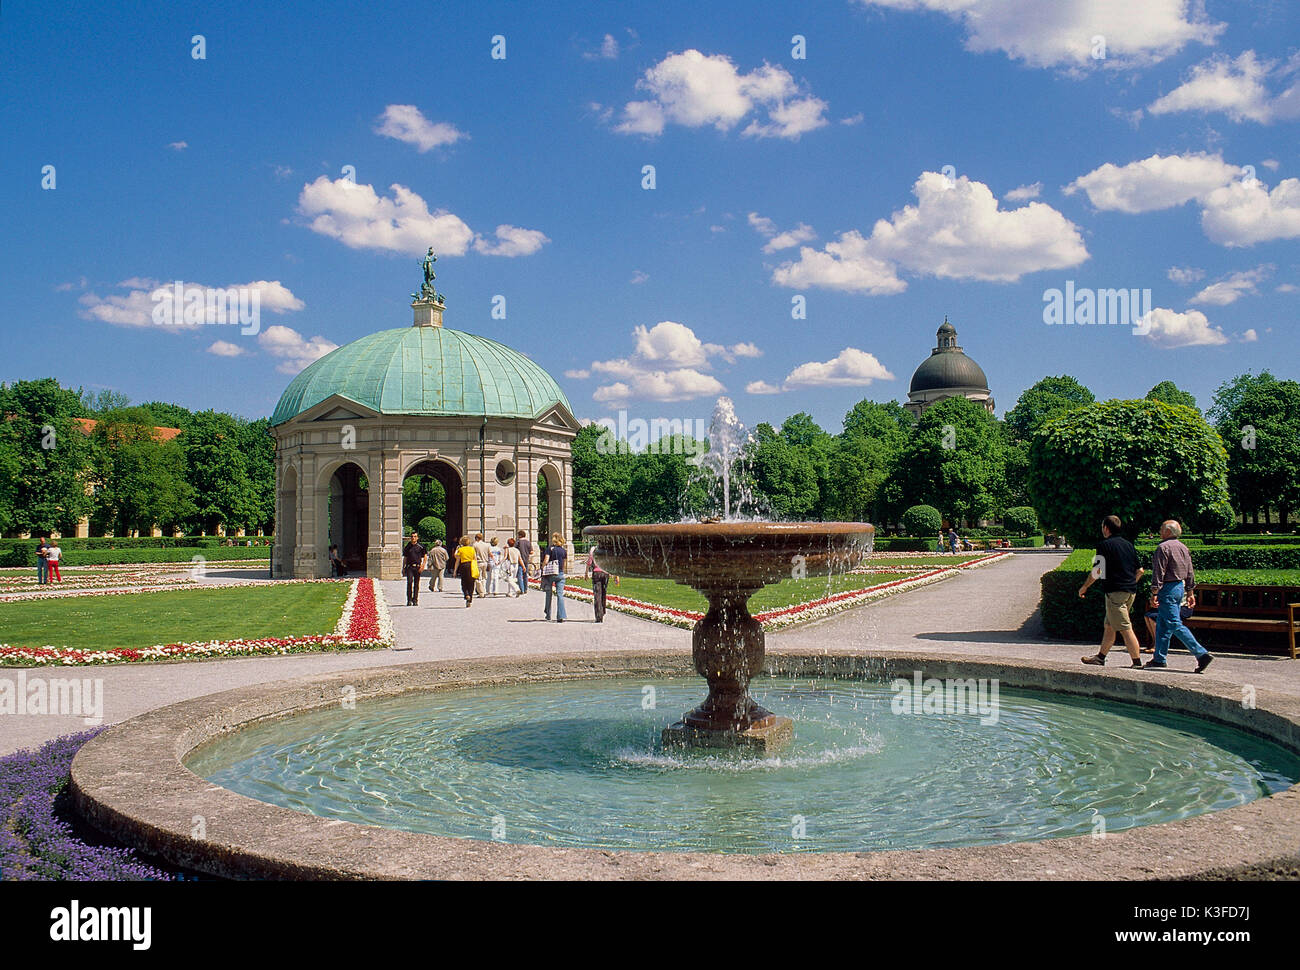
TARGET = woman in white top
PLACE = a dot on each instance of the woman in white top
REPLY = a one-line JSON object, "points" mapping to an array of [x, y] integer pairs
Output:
{"points": [[496, 566], [52, 556], [513, 559]]}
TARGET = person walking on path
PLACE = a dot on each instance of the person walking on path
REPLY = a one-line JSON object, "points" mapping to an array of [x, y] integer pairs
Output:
{"points": [[438, 565], [467, 568], [495, 579], [1119, 573], [414, 557], [52, 557], [482, 552], [553, 576], [512, 561], [42, 562], [525, 556], [1172, 575], [952, 539], [599, 584]]}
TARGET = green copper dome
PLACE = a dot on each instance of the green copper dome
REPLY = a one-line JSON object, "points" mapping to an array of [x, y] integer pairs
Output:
{"points": [[425, 370], [947, 366]]}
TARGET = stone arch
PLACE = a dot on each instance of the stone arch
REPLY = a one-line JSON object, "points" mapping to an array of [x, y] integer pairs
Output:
{"points": [[344, 512], [449, 476], [286, 521], [551, 478]]}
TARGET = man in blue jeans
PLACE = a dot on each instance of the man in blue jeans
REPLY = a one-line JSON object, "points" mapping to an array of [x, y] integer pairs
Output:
{"points": [[1172, 575]]}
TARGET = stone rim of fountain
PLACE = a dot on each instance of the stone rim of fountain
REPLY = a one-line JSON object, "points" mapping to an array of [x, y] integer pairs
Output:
{"points": [[130, 783]]}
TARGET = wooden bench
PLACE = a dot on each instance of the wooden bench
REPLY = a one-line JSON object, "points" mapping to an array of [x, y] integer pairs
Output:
{"points": [[1261, 609]]}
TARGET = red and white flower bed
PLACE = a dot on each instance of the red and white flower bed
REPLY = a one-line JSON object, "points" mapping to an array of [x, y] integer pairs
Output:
{"points": [[798, 613], [364, 624]]}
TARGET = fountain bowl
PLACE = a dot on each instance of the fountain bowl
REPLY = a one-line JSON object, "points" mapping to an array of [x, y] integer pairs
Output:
{"points": [[728, 562], [731, 555]]}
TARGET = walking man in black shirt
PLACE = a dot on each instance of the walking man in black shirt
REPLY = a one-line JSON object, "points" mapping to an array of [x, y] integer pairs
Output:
{"points": [[1119, 574], [414, 557]]}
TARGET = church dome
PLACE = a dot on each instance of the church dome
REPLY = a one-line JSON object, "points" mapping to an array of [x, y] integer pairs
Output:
{"points": [[426, 370], [948, 367]]}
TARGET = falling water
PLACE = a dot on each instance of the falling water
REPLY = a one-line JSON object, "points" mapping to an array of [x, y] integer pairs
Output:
{"points": [[727, 441]]}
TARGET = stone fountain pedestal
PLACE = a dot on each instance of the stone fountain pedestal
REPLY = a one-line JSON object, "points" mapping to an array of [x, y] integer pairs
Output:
{"points": [[728, 562]]}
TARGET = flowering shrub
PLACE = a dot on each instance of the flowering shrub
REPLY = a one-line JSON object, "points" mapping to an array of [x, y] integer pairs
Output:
{"points": [[34, 842]]}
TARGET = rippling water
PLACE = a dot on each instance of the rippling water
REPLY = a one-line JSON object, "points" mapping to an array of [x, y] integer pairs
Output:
{"points": [[580, 764]]}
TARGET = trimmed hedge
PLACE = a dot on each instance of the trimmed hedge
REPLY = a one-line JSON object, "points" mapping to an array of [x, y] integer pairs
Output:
{"points": [[1067, 617], [124, 557], [905, 545], [1237, 556], [922, 520]]}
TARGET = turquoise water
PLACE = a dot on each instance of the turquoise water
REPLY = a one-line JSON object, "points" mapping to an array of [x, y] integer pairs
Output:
{"points": [[580, 764]]}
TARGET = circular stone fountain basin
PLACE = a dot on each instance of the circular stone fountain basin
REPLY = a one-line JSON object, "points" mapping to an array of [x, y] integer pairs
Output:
{"points": [[580, 764], [130, 781]]}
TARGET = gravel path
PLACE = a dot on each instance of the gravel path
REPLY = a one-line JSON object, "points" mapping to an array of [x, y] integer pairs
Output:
{"points": [[985, 612]]}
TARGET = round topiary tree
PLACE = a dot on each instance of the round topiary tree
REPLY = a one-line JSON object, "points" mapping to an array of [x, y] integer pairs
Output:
{"points": [[431, 527], [1144, 461], [1022, 519], [922, 520]]}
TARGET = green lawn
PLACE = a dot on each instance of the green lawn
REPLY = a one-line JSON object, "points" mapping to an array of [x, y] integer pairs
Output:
{"points": [[938, 559], [148, 619], [665, 592]]}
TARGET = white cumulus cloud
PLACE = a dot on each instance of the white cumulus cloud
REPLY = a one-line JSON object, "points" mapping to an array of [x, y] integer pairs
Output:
{"points": [[360, 218], [135, 307], [1185, 274], [511, 241], [1169, 328], [1024, 193], [405, 122], [294, 350], [776, 241], [761, 387], [1158, 182], [224, 348], [696, 90], [1059, 33], [668, 363], [1233, 287], [1246, 212], [849, 368], [1237, 87], [956, 230]]}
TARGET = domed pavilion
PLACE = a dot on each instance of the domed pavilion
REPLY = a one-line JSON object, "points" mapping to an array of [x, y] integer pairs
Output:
{"points": [[947, 372], [487, 423]]}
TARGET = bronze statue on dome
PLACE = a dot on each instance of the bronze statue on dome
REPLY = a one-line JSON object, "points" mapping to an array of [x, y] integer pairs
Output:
{"points": [[427, 291]]}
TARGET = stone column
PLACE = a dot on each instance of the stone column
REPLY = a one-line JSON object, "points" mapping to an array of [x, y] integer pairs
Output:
{"points": [[384, 549]]}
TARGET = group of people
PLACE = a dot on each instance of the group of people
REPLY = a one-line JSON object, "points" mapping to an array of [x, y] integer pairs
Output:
{"points": [[48, 555], [952, 541], [488, 568], [1173, 596]]}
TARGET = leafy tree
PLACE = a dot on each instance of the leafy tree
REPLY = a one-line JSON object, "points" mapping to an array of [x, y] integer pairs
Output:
{"points": [[259, 457], [602, 479], [1022, 519], [105, 401], [47, 453], [169, 415], [922, 520], [139, 480], [873, 437], [1144, 461], [218, 470], [953, 460], [784, 475], [1259, 419], [422, 496], [1049, 398], [1170, 393], [430, 527]]}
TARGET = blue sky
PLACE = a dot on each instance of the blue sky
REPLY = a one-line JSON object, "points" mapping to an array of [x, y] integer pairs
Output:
{"points": [[824, 176]]}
